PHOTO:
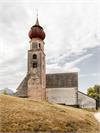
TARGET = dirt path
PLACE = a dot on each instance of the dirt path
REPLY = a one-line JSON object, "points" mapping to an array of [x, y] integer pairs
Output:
{"points": [[97, 116]]}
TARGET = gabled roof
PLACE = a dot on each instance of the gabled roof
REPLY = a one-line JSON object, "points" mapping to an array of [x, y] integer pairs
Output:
{"points": [[62, 80], [85, 94]]}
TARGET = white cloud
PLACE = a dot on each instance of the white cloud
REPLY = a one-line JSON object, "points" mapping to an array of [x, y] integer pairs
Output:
{"points": [[70, 64], [68, 67], [89, 75]]}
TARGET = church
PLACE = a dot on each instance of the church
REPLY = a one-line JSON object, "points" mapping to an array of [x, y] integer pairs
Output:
{"points": [[60, 88]]}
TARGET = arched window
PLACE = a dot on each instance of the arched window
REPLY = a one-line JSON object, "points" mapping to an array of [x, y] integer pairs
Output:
{"points": [[34, 56], [35, 65]]}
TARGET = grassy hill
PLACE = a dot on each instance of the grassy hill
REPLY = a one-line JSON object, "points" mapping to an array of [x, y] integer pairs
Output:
{"points": [[27, 115]]}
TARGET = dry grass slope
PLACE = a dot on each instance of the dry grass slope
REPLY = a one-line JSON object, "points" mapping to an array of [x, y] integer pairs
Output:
{"points": [[18, 115]]}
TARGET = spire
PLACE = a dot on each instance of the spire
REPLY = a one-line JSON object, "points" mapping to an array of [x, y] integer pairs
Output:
{"points": [[37, 21]]}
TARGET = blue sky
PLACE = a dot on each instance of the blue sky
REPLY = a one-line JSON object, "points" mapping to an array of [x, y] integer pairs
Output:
{"points": [[72, 41]]}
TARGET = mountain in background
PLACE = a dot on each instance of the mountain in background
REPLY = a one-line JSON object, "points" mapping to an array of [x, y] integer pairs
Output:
{"points": [[8, 91]]}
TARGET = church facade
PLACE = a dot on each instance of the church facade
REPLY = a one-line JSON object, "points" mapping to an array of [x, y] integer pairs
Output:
{"points": [[61, 88]]}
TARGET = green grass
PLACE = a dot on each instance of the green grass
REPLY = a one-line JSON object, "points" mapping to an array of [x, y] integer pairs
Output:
{"points": [[18, 115]]}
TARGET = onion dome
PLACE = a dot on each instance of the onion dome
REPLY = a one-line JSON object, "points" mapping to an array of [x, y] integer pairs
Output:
{"points": [[36, 31]]}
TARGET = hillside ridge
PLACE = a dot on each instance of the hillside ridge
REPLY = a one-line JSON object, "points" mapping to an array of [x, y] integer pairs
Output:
{"points": [[18, 115]]}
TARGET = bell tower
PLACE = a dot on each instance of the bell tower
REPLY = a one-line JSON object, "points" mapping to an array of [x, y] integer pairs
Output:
{"points": [[36, 84]]}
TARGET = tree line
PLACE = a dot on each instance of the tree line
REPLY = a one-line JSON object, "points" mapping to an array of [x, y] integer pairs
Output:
{"points": [[94, 92]]}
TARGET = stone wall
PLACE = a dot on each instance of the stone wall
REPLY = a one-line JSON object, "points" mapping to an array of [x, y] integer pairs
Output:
{"points": [[22, 88], [67, 96], [62, 88], [36, 84], [35, 91], [85, 101]]}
